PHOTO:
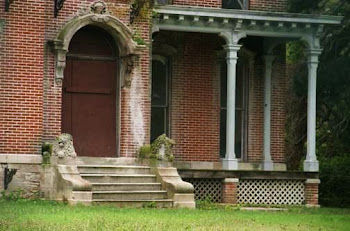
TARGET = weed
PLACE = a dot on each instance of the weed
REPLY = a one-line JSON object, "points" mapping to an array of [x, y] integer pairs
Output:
{"points": [[11, 196], [151, 204]]}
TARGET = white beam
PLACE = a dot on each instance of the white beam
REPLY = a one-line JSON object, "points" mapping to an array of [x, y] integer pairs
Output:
{"points": [[248, 15]]}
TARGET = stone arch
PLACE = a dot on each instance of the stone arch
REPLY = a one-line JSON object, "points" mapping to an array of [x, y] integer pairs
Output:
{"points": [[123, 36]]}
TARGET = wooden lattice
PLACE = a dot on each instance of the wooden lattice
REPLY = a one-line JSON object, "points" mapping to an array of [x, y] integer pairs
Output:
{"points": [[205, 189], [285, 192]]}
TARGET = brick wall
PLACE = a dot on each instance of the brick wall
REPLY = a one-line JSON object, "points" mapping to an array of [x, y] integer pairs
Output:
{"points": [[268, 5], [278, 109], [311, 192], [30, 99], [256, 112], [195, 110], [21, 63], [230, 190]]}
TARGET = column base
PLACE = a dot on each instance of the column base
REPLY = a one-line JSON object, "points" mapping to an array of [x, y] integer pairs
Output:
{"points": [[230, 164], [311, 166], [311, 193], [230, 190], [267, 165]]}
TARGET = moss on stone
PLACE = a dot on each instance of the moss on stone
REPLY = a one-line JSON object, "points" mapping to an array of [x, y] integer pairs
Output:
{"points": [[46, 152], [168, 144], [145, 151]]}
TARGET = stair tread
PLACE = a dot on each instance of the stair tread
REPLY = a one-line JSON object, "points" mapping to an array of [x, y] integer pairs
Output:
{"points": [[142, 200], [128, 184], [113, 174], [112, 166], [130, 192]]}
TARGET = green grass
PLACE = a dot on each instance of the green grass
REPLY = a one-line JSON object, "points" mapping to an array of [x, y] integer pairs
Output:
{"points": [[44, 215]]}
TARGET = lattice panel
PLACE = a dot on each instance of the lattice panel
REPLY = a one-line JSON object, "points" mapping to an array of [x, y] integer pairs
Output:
{"points": [[281, 192], [207, 188]]}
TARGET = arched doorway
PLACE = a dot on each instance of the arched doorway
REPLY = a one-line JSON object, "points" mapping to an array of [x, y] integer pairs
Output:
{"points": [[90, 95]]}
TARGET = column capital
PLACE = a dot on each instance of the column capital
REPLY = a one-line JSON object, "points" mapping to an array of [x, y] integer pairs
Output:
{"points": [[232, 52], [268, 59], [312, 55], [232, 37], [232, 48]]}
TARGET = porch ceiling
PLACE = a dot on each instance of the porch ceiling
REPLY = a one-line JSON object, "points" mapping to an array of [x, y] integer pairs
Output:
{"points": [[255, 23]]}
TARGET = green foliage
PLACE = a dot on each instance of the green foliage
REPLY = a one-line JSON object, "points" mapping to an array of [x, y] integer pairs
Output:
{"points": [[11, 196], [333, 89], [168, 144], [46, 152], [138, 39], [333, 102], [296, 117], [48, 215], [295, 52], [150, 205], [302, 6], [46, 147], [335, 181], [155, 15], [206, 203], [145, 151]]}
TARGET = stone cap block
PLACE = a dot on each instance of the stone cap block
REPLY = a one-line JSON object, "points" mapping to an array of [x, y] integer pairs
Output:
{"points": [[312, 181], [231, 180]]}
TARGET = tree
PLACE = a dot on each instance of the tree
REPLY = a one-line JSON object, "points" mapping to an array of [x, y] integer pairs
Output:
{"points": [[333, 103]]}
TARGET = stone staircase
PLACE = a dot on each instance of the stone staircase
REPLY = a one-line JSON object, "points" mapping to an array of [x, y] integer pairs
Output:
{"points": [[124, 185]]}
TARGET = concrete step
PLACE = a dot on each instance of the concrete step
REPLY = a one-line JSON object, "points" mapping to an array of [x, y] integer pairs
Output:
{"points": [[119, 178], [123, 183], [164, 203], [114, 169], [84, 160], [130, 195], [126, 186]]}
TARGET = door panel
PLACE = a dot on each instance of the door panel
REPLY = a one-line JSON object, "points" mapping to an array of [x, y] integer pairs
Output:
{"points": [[89, 106]]}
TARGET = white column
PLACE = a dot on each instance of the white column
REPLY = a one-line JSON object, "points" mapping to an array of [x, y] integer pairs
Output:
{"points": [[232, 47], [311, 163], [230, 162], [267, 162]]}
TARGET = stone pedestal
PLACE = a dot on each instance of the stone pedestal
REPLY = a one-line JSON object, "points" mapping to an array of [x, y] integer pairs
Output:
{"points": [[230, 190], [230, 164], [311, 192], [181, 192]]}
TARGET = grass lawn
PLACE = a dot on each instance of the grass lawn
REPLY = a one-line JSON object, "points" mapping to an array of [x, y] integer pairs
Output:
{"points": [[44, 215]]}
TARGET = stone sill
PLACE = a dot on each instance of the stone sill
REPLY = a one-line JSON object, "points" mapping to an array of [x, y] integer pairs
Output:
{"points": [[20, 159], [218, 166], [222, 174]]}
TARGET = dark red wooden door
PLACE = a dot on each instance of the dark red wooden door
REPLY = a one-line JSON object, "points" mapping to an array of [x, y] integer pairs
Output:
{"points": [[89, 96]]}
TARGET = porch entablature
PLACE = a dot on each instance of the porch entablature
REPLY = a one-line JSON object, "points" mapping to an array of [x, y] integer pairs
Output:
{"points": [[255, 23]]}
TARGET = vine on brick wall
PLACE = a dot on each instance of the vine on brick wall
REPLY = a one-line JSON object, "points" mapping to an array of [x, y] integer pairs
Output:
{"points": [[140, 8]]}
